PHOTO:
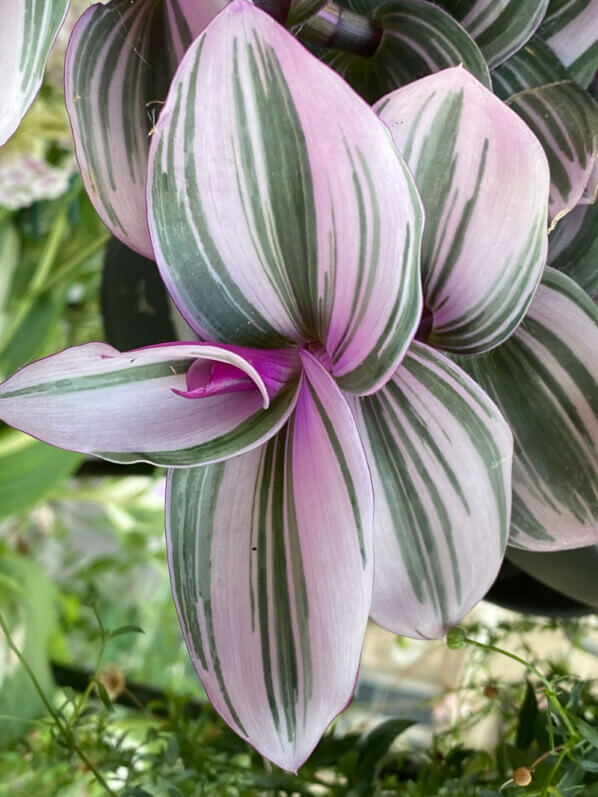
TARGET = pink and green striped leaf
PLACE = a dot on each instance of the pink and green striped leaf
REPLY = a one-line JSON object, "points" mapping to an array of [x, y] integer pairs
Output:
{"points": [[532, 66], [571, 29], [440, 454], [119, 63], [279, 207], [564, 118], [573, 247], [545, 381], [500, 27], [27, 31], [270, 557], [174, 404], [479, 170], [418, 38]]}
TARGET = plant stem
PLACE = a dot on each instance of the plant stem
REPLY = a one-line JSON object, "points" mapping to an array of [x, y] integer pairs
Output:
{"points": [[564, 751], [340, 29], [64, 730], [77, 260], [40, 275], [550, 693]]}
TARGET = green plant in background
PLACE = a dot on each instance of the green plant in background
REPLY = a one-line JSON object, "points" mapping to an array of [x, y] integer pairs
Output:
{"points": [[165, 746], [540, 61]]}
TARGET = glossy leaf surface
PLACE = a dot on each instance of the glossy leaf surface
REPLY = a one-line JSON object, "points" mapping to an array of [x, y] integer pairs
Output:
{"points": [[440, 455], [532, 66], [119, 63], [564, 117], [270, 556], [178, 404], [279, 207], [574, 247], [479, 170], [500, 27], [27, 32], [418, 38], [571, 29], [545, 381]]}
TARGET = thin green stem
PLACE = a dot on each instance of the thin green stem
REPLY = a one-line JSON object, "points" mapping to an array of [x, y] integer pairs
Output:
{"points": [[564, 752], [64, 730], [78, 260], [79, 705], [550, 693], [39, 277], [29, 671], [50, 250]]}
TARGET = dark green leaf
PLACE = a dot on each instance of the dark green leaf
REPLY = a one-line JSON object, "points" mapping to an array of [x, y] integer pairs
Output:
{"points": [[418, 39], [573, 247], [134, 301], [534, 65], [499, 28], [30, 470], [527, 718], [29, 612], [375, 745], [589, 732], [171, 753], [104, 696], [126, 629]]}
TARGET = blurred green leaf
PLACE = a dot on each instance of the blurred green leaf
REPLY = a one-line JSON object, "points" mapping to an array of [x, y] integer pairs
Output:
{"points": [[30, 615], [104, 696], [375, 745], [126, 629], [30, 470], [589, 732], [527, 718]]}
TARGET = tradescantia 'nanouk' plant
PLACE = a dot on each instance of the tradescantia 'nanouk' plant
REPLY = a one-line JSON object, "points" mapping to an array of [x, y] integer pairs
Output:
{"points": [[330, 458]]}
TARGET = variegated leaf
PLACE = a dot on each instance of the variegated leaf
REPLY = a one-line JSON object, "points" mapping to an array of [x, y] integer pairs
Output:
{"points": [[174, 404], [119, 63], [279, 206], [290, 12], [27, 30], [440, 454], [418, 38], [500, 27], [564, 117], [303, 9], [545, 381], [479, 170], [366, 7], [571, 29], [271, 565], [573, 247], [532, 66]]}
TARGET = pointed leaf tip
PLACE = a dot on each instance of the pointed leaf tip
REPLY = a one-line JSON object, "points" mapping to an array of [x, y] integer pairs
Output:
{"points": [[279, 207], [270, 557], [27, 33], [128, 407], [479, 170]]}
